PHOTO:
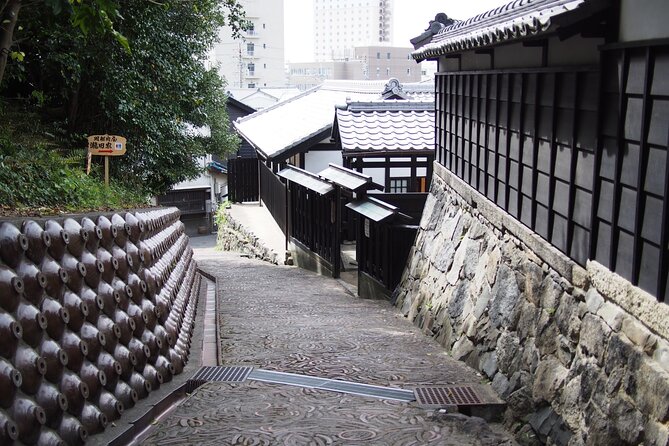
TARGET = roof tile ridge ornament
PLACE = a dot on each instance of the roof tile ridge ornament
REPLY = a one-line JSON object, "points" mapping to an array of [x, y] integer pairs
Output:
{"points": [[440, 22], [394, 90]]}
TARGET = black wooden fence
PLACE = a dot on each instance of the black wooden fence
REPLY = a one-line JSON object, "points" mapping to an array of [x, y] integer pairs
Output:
{"points": [[383, 250], [243, 180], [577, 155], [273, 194], [313, 223]]}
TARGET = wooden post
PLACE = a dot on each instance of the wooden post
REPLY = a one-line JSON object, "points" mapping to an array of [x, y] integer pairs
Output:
{"points": [[106, 171]]}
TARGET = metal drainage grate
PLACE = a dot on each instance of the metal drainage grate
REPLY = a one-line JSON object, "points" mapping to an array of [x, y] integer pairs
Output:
{"points": [[217, 374], [434, 397], [333, 385]]}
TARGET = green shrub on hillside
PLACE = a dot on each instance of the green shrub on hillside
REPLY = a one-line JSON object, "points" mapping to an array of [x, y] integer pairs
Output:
{"points": [[39, 177]]}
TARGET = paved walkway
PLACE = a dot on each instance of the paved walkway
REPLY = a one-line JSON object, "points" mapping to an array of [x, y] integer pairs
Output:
{"points": [[290, 320]]}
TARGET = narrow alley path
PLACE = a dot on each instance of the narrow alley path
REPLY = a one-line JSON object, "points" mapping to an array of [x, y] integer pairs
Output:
{"points": [[290, 320]]}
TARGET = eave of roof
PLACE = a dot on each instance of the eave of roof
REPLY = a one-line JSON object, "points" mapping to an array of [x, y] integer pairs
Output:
{"points": [[375, 210], [516, 20], [306, 179]]}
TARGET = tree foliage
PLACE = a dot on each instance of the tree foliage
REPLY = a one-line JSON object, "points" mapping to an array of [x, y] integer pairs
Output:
{"points": [[154, 94]]}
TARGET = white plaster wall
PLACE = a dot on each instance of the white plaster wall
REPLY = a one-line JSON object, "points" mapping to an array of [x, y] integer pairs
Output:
{"points": [[644, 20], [318, 160]]}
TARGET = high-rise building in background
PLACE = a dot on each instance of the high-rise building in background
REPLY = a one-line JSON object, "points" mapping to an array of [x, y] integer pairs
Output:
{"points": [[257, 58], [342, 25]]}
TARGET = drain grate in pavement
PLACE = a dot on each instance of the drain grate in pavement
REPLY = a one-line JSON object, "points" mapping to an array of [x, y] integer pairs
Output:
{"points": [[333, 385], [447, 396], [218, 374]]}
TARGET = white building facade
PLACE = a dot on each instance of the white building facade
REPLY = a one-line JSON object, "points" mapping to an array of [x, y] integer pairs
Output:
{"points": [[257, 58], [342, 25]]}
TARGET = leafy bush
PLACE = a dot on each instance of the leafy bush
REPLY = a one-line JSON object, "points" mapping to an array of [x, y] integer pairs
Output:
{"points": [[39, 177]]}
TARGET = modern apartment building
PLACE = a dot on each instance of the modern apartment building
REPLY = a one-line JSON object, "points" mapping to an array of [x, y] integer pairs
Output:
{"points": [[257, 58], [342, 25]]}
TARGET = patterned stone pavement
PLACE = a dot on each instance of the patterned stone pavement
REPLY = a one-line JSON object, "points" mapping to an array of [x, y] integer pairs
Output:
{"points": [[290, 320]]}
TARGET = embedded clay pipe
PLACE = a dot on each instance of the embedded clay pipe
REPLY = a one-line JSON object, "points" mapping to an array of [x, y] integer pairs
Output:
{"points": [[109, 264], [76, 271], [177, 361], [138, 316], [10, 334], [110, 406], [71, 430], [108, 232], [77, 309], [34, 282], [110, 298], [165, 367], [111, 367], [75, 390], [122, 230], [38, 240], [75, 348], [136, 227], [10, 381], [140, 385], [125, 394], [8, 430], [122, 259], [94, 378], [49, 437], [95, 340], [94, 303], [33, 322], [94, 269], [94, 234], [134, 260], [56, 277], [141, 353], [124, 292], [29, 418], [78, 236], [56, 359], [126, 359], [32, 368], [154, 344], [11, 288], [59, 239], [51, 400], [56, 317], [153, 376], [13, 244], [126, 324], [93, 419], [111, 331], [138, 287]]}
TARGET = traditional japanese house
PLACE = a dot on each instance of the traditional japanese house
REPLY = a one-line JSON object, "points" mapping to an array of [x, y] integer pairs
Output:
{"points": [[391, 138], [552, 179]]}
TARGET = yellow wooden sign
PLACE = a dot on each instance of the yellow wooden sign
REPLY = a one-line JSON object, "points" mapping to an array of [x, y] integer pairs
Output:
{"points": [[106, 145]]}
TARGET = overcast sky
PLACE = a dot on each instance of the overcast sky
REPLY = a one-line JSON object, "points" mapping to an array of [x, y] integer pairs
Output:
{"points": [[411, 17]]}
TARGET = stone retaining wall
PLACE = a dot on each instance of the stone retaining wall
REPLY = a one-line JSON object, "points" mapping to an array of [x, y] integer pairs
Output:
{"points": [[95, 313], [580, 355], [232, 236]]}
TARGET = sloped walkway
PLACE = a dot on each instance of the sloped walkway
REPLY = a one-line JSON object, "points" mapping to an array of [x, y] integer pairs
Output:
{"points": [[290, 320]]}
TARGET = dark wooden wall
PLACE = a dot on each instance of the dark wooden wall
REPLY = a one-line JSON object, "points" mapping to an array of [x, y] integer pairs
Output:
{"points": [[577, 154]]}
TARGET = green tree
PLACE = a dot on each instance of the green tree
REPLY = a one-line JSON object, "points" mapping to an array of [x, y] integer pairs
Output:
{"points": [[152, 95]]}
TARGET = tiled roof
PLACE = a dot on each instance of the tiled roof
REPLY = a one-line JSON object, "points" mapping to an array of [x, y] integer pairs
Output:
{"points": [[386, 130], [285, 125], [515, 20]]}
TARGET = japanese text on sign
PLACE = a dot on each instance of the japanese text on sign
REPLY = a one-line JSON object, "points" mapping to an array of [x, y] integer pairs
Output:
{"points": [[106, 145]]}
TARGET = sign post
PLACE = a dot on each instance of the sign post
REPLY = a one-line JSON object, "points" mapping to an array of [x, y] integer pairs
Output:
{"points": [[105, 145]]}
